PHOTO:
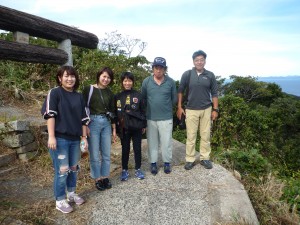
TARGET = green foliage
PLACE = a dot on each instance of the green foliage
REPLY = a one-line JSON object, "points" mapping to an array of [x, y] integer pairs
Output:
{"points": [[252, 90], [179, 135], [237, 124], [247, 162], [28, 76], [292, 191]]}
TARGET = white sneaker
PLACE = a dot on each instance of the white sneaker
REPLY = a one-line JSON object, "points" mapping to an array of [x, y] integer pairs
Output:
{"points": [[75, 198], [63, 206]]}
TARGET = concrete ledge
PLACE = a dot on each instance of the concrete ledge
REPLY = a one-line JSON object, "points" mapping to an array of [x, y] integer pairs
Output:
{"points": [[198, 196]]}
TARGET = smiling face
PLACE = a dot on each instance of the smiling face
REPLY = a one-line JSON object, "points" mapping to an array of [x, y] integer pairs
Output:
{"points": [[127, 84], [104, 80], [199, 63], [67, 81]]}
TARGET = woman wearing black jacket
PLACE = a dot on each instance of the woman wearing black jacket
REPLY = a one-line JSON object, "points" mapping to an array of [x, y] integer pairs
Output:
{"points": [[130, 101]]}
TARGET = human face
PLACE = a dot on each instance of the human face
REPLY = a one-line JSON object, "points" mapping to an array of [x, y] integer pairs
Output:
{"points": [[159, 71], [67, 81], [199, 63], [104, 80], [127, 84]]}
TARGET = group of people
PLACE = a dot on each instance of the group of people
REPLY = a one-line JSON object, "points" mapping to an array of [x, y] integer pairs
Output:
{"points": [[97, 116]]}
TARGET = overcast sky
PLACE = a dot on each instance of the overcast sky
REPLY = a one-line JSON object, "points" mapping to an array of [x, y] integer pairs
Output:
{"points": [[240, 37]]}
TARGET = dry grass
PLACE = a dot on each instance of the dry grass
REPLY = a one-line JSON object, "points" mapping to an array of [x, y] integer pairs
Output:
{"points": [[40, 173], [265, 198]]}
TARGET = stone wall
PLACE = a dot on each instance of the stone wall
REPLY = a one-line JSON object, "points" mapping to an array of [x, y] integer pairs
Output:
{"points": [[21, 137]]}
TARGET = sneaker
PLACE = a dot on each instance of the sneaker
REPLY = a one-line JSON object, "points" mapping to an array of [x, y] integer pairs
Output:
{"points": [[63, 206], [75, 198], [167, 168], [139, 174], [189, 165], [100, 185], [153, 168], [207, 164], [107, 184], [124, 175]]}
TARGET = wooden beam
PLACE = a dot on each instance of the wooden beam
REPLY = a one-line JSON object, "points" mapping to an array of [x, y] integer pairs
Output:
{"points": [[31, 53], [14, 20]]}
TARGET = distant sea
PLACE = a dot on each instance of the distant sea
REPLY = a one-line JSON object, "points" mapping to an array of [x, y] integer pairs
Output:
{"points": [[288, 84]]}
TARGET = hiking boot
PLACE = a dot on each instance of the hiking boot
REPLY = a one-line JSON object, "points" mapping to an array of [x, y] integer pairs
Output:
{"points": [[63, 206], [167, 168], [75, 198], [189, 165], [153, 168], [139, 174], [107, 184], [124, 175], [207, 164], [100, 185]]}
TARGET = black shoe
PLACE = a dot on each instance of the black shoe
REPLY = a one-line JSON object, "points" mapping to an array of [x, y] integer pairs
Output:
{"points": [[107, 184], [100, 185], [167, 168], [207, 164], [153, 168], [189, 165]]}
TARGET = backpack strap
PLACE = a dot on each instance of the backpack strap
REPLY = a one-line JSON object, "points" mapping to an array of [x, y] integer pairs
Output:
{"points": [[89, 99], [185, 97], [90, 95]]}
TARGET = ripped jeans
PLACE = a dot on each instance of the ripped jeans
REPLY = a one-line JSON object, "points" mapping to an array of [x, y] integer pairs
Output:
{"points": [[65, 161]]}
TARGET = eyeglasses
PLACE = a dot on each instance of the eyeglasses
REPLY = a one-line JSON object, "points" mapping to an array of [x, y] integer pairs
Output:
{"points": [[199, 60]]}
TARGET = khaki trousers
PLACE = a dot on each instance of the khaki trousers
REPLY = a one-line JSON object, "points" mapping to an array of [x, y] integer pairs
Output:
{"points": [[198, 119]]}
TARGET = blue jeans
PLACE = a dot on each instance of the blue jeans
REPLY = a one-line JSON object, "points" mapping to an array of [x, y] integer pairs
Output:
{"points": [[99, 146], [66, 155]]}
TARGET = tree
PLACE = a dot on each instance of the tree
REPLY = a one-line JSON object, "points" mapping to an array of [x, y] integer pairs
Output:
{"points": [[122, 45], [253, 91]]}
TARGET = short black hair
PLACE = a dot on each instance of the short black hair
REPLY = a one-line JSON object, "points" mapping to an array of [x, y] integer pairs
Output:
{"points": [[70, 71], [199, 52], [128, 75]]}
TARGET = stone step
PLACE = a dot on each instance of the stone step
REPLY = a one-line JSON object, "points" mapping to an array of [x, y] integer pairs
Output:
{"points": [[7, 158], [6, 170]]}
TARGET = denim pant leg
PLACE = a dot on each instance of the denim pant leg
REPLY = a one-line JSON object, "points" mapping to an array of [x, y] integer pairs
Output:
{"points": [[74, 158], [99, 146], [65, 156], [165, 128], [152, 140], [105, 149]]}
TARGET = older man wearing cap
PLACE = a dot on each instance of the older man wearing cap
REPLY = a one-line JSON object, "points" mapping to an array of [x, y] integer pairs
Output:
{"points": [[160, 94], [200, 109]]}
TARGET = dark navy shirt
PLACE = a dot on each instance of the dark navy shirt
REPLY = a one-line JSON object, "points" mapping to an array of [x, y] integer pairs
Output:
{"points": [[68, 109]]}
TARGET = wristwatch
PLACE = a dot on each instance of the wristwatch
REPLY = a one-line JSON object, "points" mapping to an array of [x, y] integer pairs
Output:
{"points": [[216, 110]]}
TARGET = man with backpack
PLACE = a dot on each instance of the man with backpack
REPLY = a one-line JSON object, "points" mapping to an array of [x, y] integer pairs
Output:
{"points": [[201, 107]]}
